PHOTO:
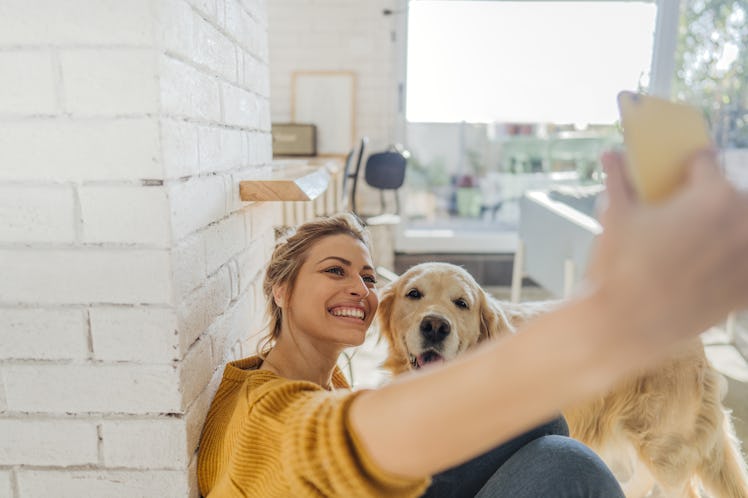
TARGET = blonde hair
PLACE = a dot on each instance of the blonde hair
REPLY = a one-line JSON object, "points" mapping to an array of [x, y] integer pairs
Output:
{"points": [[289, 255]]}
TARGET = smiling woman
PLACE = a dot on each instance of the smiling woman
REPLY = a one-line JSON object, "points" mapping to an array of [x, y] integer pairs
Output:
{"points": [[328, 307]]}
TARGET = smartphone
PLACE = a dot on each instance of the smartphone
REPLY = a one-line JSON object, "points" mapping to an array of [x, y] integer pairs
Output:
{"points": [[659, 136]]}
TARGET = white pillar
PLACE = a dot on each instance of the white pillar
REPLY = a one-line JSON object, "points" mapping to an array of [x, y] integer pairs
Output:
{"points": [[663, 50]]}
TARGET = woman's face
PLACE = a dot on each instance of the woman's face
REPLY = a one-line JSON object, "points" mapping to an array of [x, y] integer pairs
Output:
{"points": [[333, 299]]}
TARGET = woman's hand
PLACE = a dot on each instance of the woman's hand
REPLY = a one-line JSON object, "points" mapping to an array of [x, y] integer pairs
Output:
{"points": [[674, 268]]}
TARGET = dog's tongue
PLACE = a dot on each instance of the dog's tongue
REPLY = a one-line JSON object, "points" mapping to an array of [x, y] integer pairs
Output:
{"points": [[428, 357]]}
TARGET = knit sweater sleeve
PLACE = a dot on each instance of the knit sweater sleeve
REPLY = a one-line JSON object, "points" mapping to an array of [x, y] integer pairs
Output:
{"points": [[321, 452]]}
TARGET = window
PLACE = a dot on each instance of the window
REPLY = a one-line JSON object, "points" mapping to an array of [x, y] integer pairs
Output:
{"points": [[525, 61], [712, 66], [503, 96]]}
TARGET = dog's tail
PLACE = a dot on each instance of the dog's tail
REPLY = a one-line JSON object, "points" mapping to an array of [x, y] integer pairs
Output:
{"points": [[723, 472]]}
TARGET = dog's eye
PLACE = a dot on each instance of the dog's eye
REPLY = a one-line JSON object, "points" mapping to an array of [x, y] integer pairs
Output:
{"points": [[461, 303], [414, 294]]}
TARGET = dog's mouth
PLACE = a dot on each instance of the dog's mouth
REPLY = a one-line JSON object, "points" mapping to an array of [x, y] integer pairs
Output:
{"points": [[423, 359]]}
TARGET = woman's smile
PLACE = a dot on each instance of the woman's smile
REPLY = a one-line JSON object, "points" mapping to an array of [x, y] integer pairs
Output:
{"points": [[358, 313]]}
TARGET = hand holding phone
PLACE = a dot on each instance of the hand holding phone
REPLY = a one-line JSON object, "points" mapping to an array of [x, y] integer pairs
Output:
{"points": [[660, 136]]}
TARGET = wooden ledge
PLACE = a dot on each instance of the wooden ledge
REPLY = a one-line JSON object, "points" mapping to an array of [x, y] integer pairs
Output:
{"points": [[286, 182]]}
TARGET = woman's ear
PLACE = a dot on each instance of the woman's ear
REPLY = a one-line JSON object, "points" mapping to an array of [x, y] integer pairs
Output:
{"points": [[279, 295]]}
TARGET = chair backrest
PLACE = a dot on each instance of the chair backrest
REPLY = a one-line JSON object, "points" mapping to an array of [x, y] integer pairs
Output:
{"points": [[353, 175], [385, 170], [343, 193]]}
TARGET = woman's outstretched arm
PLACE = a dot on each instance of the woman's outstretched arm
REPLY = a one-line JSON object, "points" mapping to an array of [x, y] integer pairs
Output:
{"points": [[659, 274]]}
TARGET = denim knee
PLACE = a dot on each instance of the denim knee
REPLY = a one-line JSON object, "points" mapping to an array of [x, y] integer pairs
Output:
{"points": [[556, 427], [467, 479], [553, 467]]}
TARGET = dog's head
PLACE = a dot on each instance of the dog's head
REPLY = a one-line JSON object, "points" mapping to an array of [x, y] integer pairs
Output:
{"points": [[434, 312]]}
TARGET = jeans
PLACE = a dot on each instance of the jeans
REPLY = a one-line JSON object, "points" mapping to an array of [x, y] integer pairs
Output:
{"points": [[542, 463]]}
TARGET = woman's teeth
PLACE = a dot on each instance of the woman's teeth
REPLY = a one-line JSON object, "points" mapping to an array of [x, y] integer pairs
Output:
{"points": [[352, 312]]}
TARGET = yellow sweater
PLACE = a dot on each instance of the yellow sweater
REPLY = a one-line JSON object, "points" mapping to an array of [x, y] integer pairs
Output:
{"points": [[267, 436]]}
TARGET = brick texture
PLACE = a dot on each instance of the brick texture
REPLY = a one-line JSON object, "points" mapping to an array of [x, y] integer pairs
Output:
{"points": [[28, 82], [100, 388], [122, 442], [41, 213], [43, 334], [135, 334], [6, 485], [126, 214], [129, 265], [94, 275], [112, 483], [48, 442]]}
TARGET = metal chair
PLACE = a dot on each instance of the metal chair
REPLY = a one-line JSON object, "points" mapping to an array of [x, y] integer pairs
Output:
{"points": [[386, 171], [352, 173], [342, 193]]}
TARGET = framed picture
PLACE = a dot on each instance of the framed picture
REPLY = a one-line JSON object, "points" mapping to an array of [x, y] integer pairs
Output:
{"points": [[326, 99]]}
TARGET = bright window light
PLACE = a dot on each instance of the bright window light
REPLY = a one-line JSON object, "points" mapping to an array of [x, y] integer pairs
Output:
{"points": [[525, 61]]}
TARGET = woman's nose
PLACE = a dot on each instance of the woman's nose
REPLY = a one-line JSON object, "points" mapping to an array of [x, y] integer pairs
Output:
{"points": [[359, 287]]}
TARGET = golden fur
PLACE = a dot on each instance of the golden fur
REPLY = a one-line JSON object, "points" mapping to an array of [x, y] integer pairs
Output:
{"points": [[666, 427]]}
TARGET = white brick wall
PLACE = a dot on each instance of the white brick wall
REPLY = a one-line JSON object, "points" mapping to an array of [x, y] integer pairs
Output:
{"points": [[202, 307], [48, 442], [39, 213], [101, 483], [6, 489], [74, 275], [179, 148], [196, 203], [63, 149], [221, 149], [44, 334], [3, 402], [91, 387], [187, 92], [27, 85], [196, 370], [144, 444], [75, 22], [136, 334], [223, 240], [188, 265], [130, 268], [125, 214], [115, 82]]}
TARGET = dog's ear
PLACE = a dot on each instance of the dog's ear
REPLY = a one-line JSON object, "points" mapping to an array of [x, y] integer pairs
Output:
{"points": [[493, 321], [397, 359], [384, 311]]}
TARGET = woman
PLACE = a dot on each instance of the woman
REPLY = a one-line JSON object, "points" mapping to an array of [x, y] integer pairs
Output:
{"points": [[284, 423]]}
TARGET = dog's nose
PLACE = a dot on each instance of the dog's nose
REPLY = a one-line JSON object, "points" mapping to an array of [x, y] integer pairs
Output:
{"points": [[434, 328]]}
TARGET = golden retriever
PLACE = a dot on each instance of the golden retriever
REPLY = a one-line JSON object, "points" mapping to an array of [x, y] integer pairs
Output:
{"points": [[664, 429]]}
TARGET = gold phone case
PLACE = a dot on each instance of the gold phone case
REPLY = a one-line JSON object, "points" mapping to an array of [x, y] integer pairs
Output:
{"points": [[659, 136]]}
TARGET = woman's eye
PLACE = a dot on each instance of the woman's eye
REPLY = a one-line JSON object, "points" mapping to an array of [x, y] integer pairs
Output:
{"points": [[413, 294], [461, 303], [369, 279], [336, 270]]}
